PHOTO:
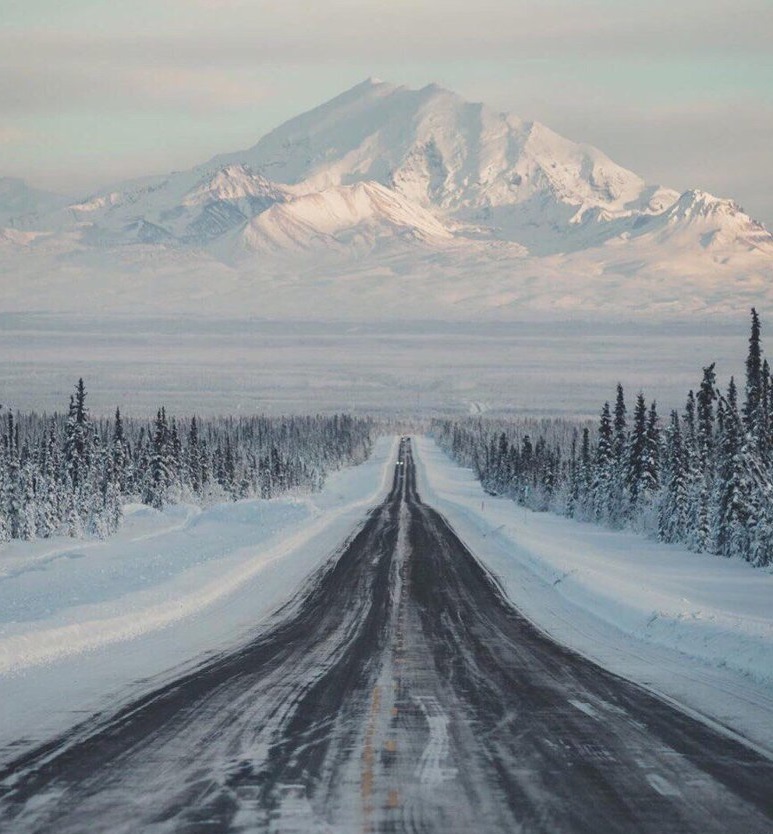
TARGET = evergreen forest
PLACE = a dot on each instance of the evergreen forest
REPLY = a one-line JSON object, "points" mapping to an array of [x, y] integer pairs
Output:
{"points": [[701, 476]]}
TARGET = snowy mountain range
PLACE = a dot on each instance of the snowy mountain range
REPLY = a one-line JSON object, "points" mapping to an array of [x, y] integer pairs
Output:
{"points": [[474, 212], [22, 205]]}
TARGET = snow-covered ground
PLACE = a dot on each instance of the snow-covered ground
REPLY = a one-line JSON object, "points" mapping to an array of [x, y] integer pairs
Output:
{"points": [[84, 623], [695, 628], [205, 366]]}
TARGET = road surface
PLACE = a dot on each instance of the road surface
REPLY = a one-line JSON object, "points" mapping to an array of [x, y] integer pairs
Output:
{"points": [[400, 691]]}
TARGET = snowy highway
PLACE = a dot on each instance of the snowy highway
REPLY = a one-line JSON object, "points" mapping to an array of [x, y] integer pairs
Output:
{"points": [[398, 691]]}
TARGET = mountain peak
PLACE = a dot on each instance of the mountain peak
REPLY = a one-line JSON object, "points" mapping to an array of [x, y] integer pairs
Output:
{"points": [[437, 149], [695, 204], [20, 200]]}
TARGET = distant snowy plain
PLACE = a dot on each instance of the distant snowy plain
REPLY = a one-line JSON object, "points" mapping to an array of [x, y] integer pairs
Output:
{"points": [[241, 366]]}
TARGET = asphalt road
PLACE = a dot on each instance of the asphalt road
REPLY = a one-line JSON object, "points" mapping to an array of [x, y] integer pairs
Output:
{"points": [[399, 691]]}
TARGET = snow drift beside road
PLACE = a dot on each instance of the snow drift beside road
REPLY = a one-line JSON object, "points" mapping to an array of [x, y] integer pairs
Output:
{"points": [[63, 597]]}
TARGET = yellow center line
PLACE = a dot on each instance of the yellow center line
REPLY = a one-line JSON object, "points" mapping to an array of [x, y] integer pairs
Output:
{"points": [[366, 781]]}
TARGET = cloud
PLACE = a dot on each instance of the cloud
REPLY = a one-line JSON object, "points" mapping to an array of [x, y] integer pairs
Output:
{"points": [[10, 135], [231, 33], [436, 28], [210, 54], [194, 89], [75, 86]]}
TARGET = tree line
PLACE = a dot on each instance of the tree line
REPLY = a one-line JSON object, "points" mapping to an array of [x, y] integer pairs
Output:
{"points": [[72, 473], [702, 477]]}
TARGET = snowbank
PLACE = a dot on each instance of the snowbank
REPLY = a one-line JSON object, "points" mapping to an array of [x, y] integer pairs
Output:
{"points": [[83, 623], [696, 628]]}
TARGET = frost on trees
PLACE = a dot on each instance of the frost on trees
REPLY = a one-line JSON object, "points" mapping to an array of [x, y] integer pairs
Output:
{"points": [[703, 480], [71, 474]]}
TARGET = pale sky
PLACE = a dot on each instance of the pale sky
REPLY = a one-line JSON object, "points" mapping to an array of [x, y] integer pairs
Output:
{"points": [[92, 91]]}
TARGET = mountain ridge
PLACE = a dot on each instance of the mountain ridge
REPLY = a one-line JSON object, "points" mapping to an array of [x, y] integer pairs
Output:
{"points": [[388, 180], [20, 201]]}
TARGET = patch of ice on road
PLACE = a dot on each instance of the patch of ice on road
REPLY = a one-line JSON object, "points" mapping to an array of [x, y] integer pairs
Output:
{"points": [[584, 707], [662, 786], [431, 769]]}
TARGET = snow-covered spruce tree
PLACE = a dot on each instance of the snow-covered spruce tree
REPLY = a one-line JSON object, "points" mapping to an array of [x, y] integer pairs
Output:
{"points": [[754, 492], [696, 495], [28, 508], [705, 400], [48, 490], [5, 529], [769, 412], [523, 480], [572, 477], [651, 462], [571, 504], [12, 497], [158, 476], [650, 471], [635, 457], [77, 435], [700, 474], [753, 406], [604, 469], [732, 510], [500, 469], [763, 430], [673, 515], [642, 464], [140, 466], [585, 475], [619, 500], [121, 455], [192, 465]]}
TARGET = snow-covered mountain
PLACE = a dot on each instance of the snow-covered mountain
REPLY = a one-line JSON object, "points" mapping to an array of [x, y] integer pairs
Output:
{"points": [[344, 219], [719, 225], [20, 203], [389, 180], [437, 149]]}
